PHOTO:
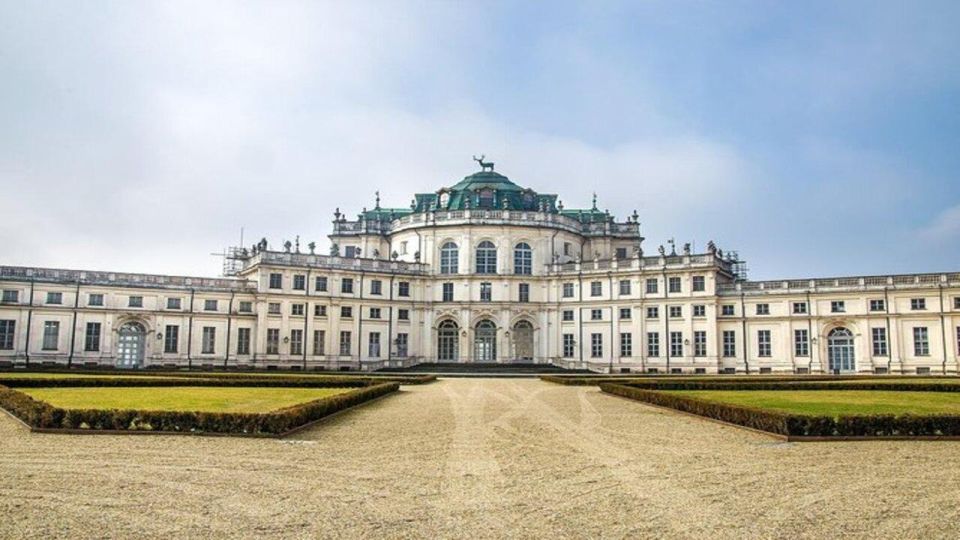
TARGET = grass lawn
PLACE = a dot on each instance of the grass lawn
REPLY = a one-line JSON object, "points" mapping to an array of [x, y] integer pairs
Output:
{"points": [[835, 402], [42, 375], [181, 398]]}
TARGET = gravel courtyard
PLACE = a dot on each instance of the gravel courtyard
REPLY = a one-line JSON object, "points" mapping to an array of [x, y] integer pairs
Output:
{"points": [[479, 458]]}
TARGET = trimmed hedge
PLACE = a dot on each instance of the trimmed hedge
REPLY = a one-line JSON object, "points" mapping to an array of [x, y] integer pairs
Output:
{"points": [[579, 380], [793, 385], [41, 415], [281, 382], [795, 425], [246, 375]]}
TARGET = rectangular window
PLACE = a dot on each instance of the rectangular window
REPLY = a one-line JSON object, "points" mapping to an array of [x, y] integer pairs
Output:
{"points": [[729, 344], [763, 309], [676, 312], [596, 345], [402, 345], [374, 313], [12, 297], [918, 304], [209, 305], [568, 345], [674, 284], [171, 339], [699, 343], [838, 306], [94, 300], [596, 315], [799, 308], [346, 312], [403, 314], [320, 284], [299, 282], [135, 301], [699, 310], [346, 345], [174, 303], [8, 328], [276, 281], [596, 288], [346, 285], [621, 253], [652, 286], [243, 341], [921, 342], [486, 291], [653, 344], [878, 305], [351, 252], [51, 335], [209, 341], [568, 290], [296, 341], [54, 298], [297, 310], [524, 292], [727, 310], [373, 345], [699, 284], [91, 341], [801, 342], [956, 302], [273, 341], [319, 311], [567, 315], [625, 287], [625, 313], [273, 308], [376, 287], [245, 307], [879, 336], [626, 344], [448, 292], [403, 289], [958, 340], [653, 312], [319, 342], [763, 343], [676, 344]]}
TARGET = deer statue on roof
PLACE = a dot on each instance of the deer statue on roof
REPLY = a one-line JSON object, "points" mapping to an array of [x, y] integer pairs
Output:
{"points": [[484, 165]]}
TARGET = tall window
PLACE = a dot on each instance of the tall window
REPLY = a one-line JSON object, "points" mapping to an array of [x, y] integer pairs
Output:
{"points": [[209, 341], [91, 340], [319, 340], [921, 341], [763, 343], [567, 315], [596, 345], [653, 312], [676, 344], [346, 312], [51, 335], [346, 339], [403, 340], [273, 341], [486, 258], [486, 291], [879, 341], [276, 281], [568, 290], [320, 284], [699, 343], [299, 282], [625, 287], [403, 288], [699, 284], [729, 343], [171, 338], [448, 292], [346, 285], [674, 284], [243, 341], [376, 287], [653, 344], [652, 286], [596, 288], [8, 329], [522, 259], [524, 292], [373, 345], [296, 341], [626, 344], [801, 342], [403, 314], [374, 313], [449, 258], [568, 345]]}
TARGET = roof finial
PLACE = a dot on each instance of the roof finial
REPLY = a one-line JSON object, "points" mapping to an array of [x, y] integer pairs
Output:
{"points": [[377, 193], [594, 200], [484, 165]]}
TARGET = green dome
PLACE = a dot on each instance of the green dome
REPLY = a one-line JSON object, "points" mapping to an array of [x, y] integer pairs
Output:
{"points": [[485, 179]]}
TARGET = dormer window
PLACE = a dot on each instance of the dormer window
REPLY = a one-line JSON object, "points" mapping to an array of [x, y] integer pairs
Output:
{"points": [[486, 198], [444, 199]]}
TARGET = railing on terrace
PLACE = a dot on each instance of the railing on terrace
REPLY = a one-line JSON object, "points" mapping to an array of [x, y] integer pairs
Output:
{"points": [[844, 283], [91, 277], [331, 262], [650, 263]]}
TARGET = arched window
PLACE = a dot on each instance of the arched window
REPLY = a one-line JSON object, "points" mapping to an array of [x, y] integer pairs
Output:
{"points": [[522, 259], [449, 255], [486, 258], [485, 342], [840, 354], [447, 342]]}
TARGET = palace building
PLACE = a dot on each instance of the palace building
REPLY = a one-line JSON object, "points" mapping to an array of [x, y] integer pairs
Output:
{"points": [[483, 271]]}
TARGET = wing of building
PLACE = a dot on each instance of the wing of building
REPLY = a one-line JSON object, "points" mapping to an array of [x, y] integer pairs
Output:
{"points": [[483, 271]]}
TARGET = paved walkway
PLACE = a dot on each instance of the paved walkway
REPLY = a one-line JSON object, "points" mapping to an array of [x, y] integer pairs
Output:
{"points": [[479, 458]]}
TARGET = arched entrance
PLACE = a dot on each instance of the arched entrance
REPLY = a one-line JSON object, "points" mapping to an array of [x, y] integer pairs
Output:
{"points": [[130, 345], [448, 342], [523, 341], [840, 358], [485, 342]]}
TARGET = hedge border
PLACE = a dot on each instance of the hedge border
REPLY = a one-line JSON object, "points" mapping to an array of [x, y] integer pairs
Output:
{"points": [[42, 417], [225, 375], [801, 427], [569, 380], [797, 385], [282, 382]]}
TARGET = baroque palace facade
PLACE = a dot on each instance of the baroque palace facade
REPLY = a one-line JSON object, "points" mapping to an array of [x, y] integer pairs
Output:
{"points": [[483, 271]]}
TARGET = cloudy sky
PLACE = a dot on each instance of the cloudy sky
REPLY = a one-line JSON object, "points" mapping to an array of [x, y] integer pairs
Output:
{"points": [[817, 138]]}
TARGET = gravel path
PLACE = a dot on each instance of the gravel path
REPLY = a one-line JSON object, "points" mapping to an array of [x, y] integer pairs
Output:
{"points": [[479, 458]]}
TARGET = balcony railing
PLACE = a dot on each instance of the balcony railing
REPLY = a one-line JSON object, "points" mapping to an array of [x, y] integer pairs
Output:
{"points": [[91, 277], [331, 262], [904, 281]]}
